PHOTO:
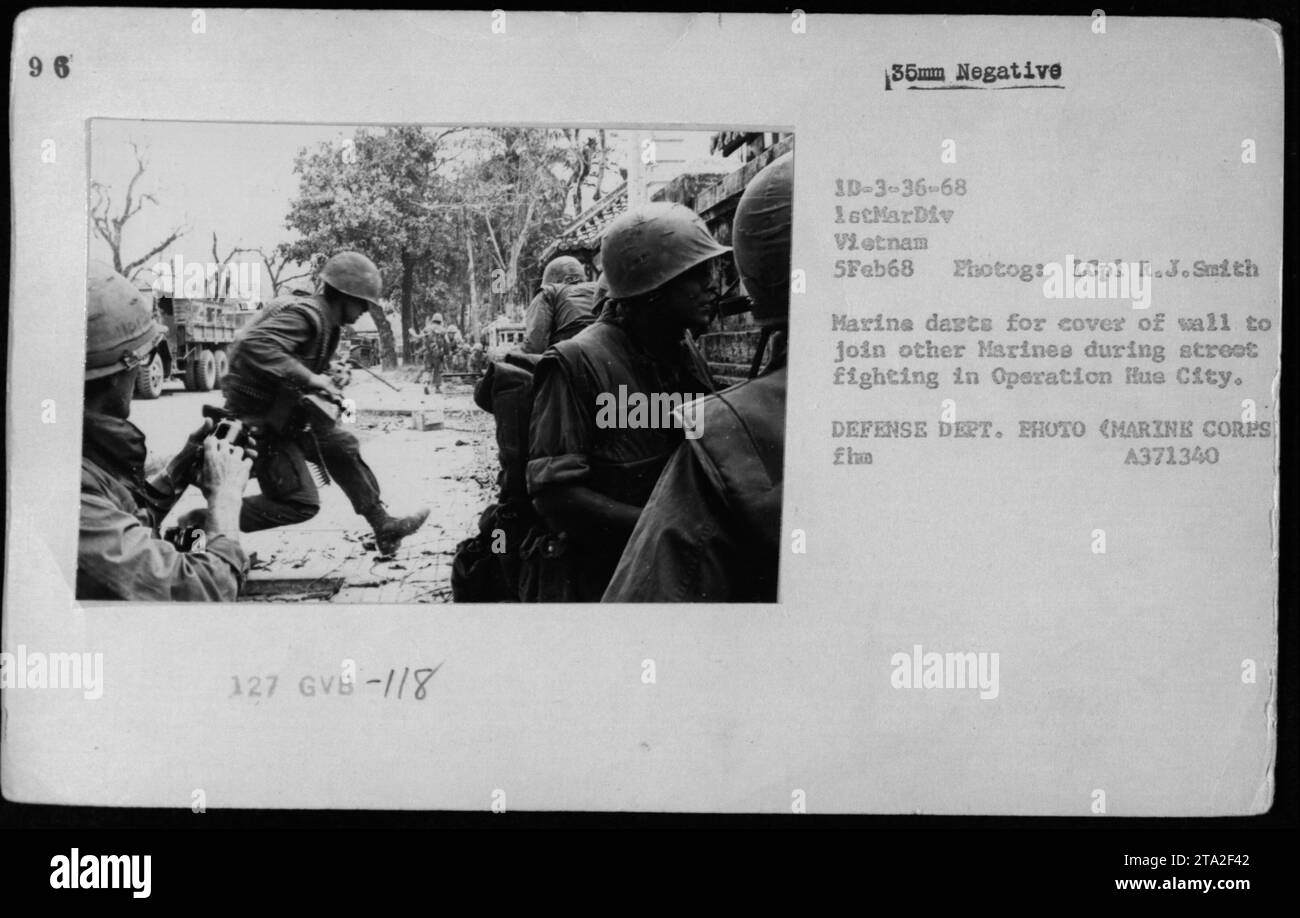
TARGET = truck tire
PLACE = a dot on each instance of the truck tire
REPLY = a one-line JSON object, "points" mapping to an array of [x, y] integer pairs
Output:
{"points": [[149, 378], [200, 371], [222, 365], [207, 371]]}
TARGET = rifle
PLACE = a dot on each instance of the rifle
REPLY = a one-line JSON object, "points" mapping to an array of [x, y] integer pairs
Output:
{"points": [[296, 413], [321, 411], [384, 381]]}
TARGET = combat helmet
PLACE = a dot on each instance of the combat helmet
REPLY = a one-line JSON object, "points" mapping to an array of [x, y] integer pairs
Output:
{"points": [[647, 247], [560, 270], [354, 274], [761, 237], [120, 327]]}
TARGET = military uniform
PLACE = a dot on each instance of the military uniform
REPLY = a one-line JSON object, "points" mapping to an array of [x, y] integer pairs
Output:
{"points": [[435, 352], [713, 525], [711, 530], [270, 362], [119, 552], [566, 447], [558, 313]]}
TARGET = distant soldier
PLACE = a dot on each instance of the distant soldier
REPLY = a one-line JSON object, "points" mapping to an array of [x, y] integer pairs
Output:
{"points": [[562, 308], [477, 358], [711, 529], [119, 552], [457, 353], [589, 481], [435, 349], [284, 354]]}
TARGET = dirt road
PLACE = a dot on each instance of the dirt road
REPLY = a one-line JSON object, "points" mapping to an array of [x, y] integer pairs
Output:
{"points": [[452, 470]]}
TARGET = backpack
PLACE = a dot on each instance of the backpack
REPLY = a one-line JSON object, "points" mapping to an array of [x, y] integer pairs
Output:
{"points": [[486, 566]]}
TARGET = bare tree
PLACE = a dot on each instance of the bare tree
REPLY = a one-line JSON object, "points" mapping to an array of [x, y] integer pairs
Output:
{"points": [[222, 277], [108, 224], [277, 261]]}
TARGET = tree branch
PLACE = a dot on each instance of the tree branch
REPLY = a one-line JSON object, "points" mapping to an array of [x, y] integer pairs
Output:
{"points": [[127, 210], [133, 268], [496, 246], [522, 237]]}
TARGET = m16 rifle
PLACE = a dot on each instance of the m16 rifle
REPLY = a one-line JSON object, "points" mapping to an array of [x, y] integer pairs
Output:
{"points": [[320, 411]]}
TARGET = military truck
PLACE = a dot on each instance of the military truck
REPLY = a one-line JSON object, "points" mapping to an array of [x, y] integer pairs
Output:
{"points": [[360, 342], [199, 333]]}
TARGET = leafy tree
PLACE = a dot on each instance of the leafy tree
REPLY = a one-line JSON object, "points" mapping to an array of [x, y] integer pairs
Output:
{"points": [[518, 188], [277, 261], [369, 195], [455, 218]]}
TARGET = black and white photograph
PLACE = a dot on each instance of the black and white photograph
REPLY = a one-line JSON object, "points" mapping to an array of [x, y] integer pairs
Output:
{"points": [[630, 418], [334, 364]]}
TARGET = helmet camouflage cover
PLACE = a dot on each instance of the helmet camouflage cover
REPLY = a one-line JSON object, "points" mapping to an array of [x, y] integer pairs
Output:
{"points": [[120, 327]]}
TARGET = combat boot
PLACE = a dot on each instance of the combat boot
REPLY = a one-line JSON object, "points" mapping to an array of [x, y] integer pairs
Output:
{"points": [[390, 530]]}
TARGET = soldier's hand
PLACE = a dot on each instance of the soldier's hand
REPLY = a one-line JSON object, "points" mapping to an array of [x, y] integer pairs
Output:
{"points": [[201, 434], [341, 373], [324, 384], [226, 467]]}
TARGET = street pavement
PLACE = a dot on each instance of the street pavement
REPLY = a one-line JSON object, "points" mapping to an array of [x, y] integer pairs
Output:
{"points": [[452, 470]]}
